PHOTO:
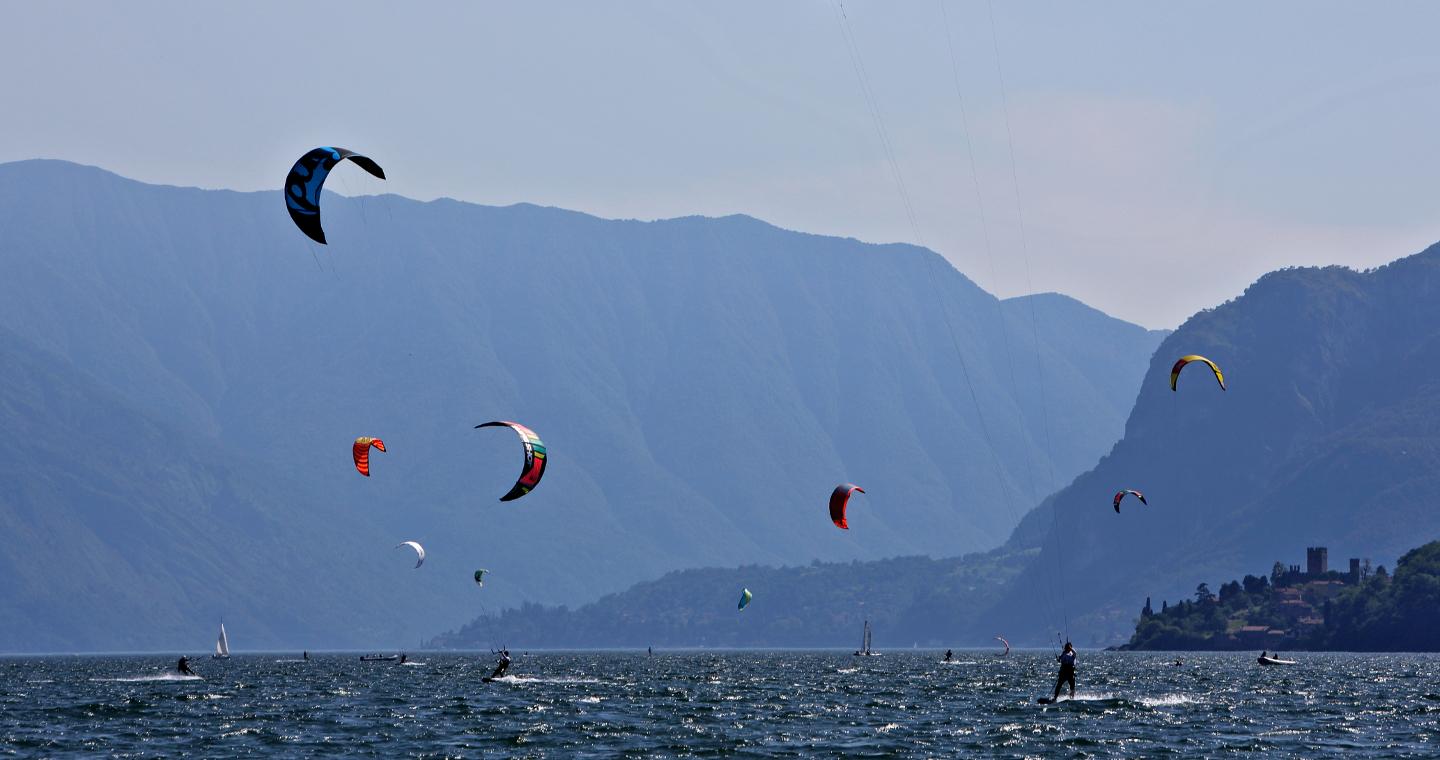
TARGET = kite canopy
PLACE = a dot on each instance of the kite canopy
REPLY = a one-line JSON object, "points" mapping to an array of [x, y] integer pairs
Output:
{"points": [[480, 577], [839, 499], [307, 176], [1121, 495], [1002, 640], [744, 599], [362, 453], [1175, 370], [419, 551], [534, 459]]}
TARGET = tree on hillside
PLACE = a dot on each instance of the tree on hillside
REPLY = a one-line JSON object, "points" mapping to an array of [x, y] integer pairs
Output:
{"points": [[1254, 586], [1203, 595], [1395, 614]]}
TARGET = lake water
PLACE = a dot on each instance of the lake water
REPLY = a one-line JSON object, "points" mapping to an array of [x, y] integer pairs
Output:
{"points": [[749, 704]]}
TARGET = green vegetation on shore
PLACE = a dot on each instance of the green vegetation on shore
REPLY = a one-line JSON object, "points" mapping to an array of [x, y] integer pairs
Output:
{"points": [[1289, 610]]}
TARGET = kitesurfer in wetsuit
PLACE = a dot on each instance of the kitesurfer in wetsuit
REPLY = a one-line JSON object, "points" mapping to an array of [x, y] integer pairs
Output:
{"points": [[402, 658], [949, 655], [306, 655], [501, 666], [184, 666], [1067, 671]]}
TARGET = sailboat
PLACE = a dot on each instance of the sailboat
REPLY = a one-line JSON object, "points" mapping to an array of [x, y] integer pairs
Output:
{"points": [[864, 650], [222, 646]]}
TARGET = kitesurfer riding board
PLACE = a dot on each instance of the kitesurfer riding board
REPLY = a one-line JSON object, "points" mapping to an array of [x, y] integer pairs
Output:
{"points": [[1067, 675], [500, 667]]}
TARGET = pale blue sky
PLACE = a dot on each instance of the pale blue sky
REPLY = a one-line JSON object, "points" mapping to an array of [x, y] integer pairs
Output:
{"points": [[1167, 153]]}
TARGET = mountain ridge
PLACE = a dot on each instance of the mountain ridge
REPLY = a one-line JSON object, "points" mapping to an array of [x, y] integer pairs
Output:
{"points": [[1324, 438], [701, 385]]}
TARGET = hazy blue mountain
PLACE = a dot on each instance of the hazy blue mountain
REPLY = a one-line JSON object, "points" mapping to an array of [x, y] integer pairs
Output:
{"points": [[1326, 437], [127, 533], [701, 383], [910, 600]]}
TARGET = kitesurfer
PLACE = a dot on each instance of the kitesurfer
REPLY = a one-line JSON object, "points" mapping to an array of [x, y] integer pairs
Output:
{"points": [[949, 655], [501, 666], [1067, 671], [306, 655], [402, 658], [184, 666]]}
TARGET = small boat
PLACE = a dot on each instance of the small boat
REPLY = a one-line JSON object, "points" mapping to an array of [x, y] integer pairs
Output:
{"points": [[379, 657], [222, 646], [1274, 661], [864, 650]]}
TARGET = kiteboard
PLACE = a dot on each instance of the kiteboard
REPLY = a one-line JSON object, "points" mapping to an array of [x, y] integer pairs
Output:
{"points": [[1050, 700]]}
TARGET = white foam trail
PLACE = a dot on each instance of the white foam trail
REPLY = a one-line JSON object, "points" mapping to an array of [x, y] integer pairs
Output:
{"points": [[534, 679], [155, 677], [1168, 700]]}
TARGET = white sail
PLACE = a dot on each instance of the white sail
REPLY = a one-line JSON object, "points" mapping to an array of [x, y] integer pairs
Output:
{"points": [[222, 644]]}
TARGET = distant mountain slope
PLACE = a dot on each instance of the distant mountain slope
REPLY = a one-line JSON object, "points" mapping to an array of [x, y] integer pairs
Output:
{"points": [[701, 384], [127, 534], [910, 600], [1326, 437]]}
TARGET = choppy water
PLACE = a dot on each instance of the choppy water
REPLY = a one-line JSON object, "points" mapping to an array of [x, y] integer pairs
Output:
{"points": [[758, 704]]}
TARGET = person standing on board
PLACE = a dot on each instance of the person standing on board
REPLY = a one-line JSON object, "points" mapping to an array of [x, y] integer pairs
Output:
{"points": [[1067, 671], [501, 666]]}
